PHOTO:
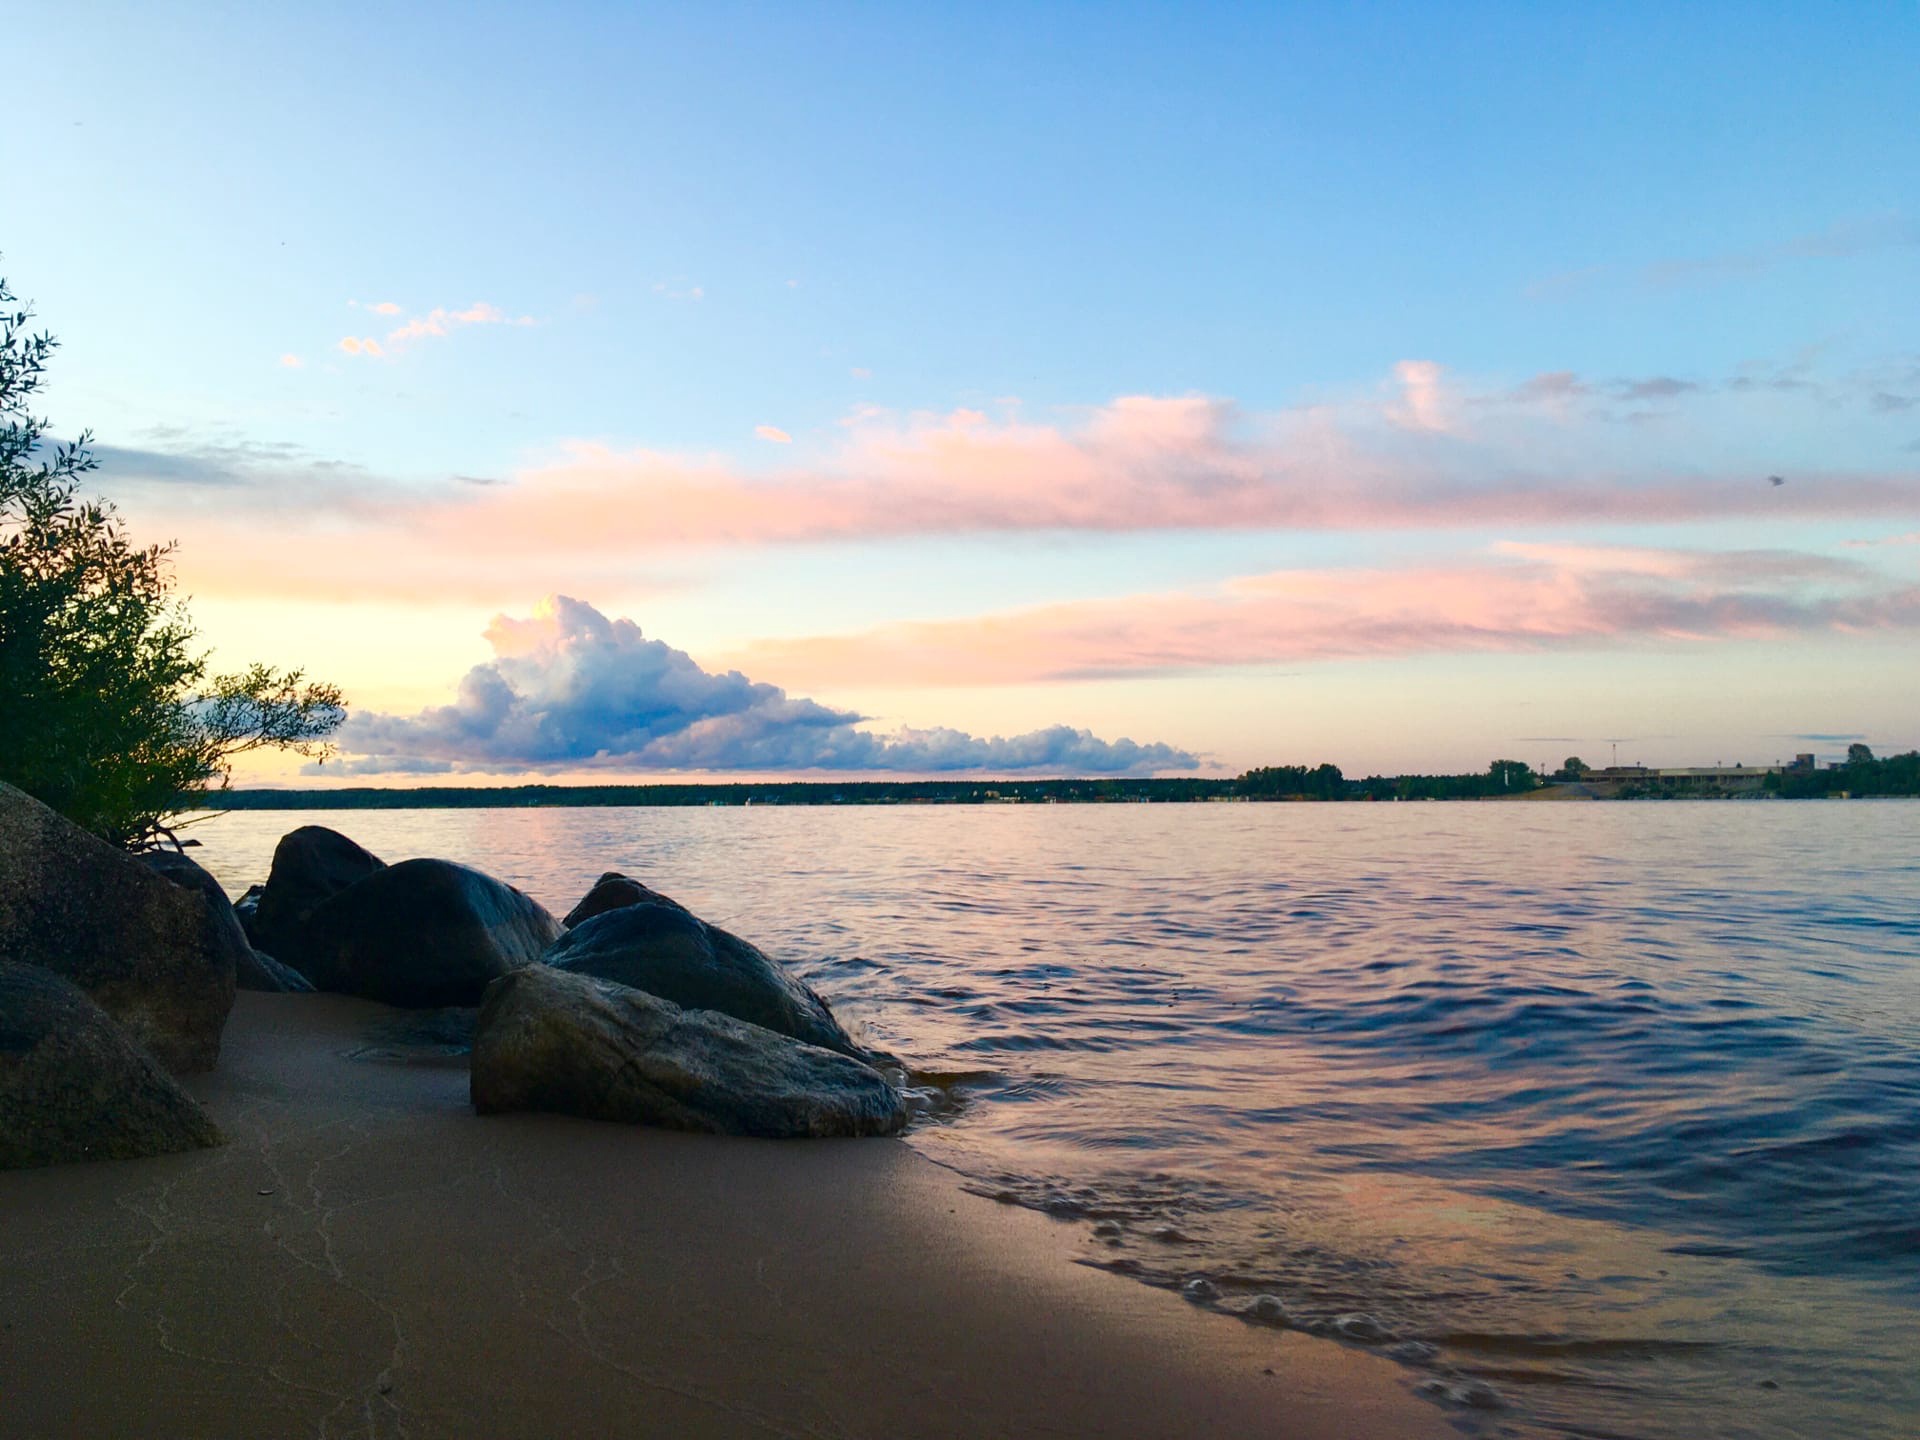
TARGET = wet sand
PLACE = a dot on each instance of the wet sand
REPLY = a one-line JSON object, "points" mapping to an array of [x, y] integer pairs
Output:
{"points": [[368, 1258]]}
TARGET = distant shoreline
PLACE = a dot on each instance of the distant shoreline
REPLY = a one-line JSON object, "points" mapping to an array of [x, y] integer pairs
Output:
{"points": [[1005, 792]]}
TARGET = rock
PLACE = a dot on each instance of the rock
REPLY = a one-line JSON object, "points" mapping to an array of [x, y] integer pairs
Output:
{"points": [[267, 973], [251, 971], [310, 865], [75, 1086], [420, 934], [148, 952], [611, 891], [550, 1040], [667, 951], [246, 908], [1268, 1310]]}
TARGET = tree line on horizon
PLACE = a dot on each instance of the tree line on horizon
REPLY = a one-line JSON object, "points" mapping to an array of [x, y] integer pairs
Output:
{"points": [[1274, 782]]}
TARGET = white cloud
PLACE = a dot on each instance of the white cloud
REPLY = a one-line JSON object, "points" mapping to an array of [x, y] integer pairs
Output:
{"points": [[569, 688]]}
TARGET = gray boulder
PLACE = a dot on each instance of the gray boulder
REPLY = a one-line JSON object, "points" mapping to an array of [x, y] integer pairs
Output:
{"points": [[548, 1040], [150, 953], [610, 892], [251, 971], [310, 866], [420, 934], [665, 950], [74, 1085]]}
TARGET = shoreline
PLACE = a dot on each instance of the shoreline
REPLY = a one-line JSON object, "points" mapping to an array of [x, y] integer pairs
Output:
{"points": [[366, 1257]]}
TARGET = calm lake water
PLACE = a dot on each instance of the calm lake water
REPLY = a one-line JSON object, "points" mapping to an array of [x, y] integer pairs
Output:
{"points": [[1606, 1114]]}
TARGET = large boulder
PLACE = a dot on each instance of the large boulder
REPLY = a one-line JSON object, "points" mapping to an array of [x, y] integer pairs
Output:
{"points": [[420, 934], [150, 953], [74, 1085], [549, 1040], [252, 971], [665, 950], [310, 866], [610, 892]]}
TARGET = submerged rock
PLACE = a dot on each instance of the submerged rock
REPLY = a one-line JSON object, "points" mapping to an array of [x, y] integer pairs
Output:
{"points": [[550, 1040], [310, 866], [665, 950], [421, 934], [1268, 1310], [150, 953], [75, 1086], [251, 971], [612, 891], [246, 908]]}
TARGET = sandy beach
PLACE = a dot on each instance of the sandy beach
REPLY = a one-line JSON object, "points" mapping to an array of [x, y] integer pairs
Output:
{"points": [[367, 1257]]}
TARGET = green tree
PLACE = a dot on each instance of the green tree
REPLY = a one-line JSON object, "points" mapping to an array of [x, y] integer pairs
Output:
{"points": [[1507, 775], [1858, 754], [1575, 767], [107, 713]]}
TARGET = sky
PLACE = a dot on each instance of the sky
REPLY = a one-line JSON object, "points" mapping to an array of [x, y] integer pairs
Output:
{"points": [[627, 392]]}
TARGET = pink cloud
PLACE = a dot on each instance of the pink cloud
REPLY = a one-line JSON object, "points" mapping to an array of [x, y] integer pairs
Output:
{"points": [[1515, 598], [440, 321], [1423, 403], [437, 322], [1147, 463], [773, 433]]}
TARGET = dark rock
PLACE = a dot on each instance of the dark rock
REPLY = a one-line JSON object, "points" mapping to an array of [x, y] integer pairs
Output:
{"points": [[420, 934], [150, 953], [251, 971], [612, 891], [549, 1040], [310, 866], [75, 1086], [667, 951]]}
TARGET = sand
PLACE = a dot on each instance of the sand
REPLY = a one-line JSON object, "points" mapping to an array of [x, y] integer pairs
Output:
{"points": [[369, 1258]]}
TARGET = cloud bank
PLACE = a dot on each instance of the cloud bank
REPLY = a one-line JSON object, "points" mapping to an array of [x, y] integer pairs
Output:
{"points": [[1423, 450], [568, 688], [1514, 598]]}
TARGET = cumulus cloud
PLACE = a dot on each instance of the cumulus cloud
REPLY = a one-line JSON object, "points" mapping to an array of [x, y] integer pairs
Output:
{"points": [[569, 688]]}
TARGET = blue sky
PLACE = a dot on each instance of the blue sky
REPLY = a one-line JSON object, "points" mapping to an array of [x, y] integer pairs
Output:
{"points": [[846, 225]]}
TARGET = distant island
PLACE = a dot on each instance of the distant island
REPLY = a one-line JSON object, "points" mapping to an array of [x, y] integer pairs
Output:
{"points": [[1860, 776]]}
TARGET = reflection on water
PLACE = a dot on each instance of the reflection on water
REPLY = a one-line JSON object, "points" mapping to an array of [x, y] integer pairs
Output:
{"points": [[1609, 1112]]}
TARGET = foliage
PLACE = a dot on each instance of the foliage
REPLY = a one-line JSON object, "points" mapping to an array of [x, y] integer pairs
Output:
{"points": [[106, 712], [1324, 782], [1861, 776]]}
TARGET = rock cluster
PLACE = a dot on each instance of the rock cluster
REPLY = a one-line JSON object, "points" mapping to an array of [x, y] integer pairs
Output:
{"points": [[116, 969]]}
